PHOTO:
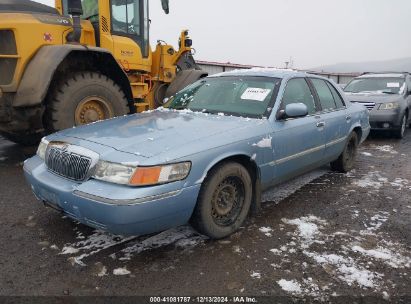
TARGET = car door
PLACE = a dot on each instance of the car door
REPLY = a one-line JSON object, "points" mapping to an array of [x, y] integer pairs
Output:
{"points": [[333, 114], [299, 142]]}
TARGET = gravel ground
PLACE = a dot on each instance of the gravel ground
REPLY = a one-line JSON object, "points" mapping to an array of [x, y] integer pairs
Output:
{"points": [[323, 236]]}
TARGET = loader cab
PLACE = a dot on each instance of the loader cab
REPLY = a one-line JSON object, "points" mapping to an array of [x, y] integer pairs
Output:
{"points": [[124, 18]]}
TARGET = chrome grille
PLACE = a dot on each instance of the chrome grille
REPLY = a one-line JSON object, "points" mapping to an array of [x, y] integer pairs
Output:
{"points": [[368, 104], [68, 164]]}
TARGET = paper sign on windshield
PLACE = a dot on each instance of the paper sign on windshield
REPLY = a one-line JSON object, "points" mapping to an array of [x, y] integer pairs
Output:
{"points": [[393, 85], [255, 94]]}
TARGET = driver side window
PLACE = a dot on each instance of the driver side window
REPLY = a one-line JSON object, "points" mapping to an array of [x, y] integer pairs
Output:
{"points": [[126, 16], [298, 91]]}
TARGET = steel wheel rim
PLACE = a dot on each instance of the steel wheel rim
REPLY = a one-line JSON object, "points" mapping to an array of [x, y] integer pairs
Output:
{"points": [[227, 201], [92, 109]]}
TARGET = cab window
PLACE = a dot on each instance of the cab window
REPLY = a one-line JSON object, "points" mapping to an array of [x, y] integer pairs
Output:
{"points": [[125, 17], [298, 91]]}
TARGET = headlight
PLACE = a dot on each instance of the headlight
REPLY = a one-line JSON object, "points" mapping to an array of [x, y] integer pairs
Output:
{"points": [[113, 172], [41, 150], [389, 106], [141, 176]]}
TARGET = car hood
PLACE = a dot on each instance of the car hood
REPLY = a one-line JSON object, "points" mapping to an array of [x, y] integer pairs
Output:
{"points": [[377, 98], [152, 133]]}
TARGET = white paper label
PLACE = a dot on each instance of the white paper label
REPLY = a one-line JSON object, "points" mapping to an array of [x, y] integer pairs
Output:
{"points": [[255, 94], [393, 85]]}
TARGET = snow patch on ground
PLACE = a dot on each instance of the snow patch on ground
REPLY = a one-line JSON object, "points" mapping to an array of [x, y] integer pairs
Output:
{"points": [[370, 180], [308, 228], [266, 231], [366, 153], [376, 222], [183, 236], [93, 244], [291, 286], [255, 275], [393, 259], [121, 271], [278, 193], [346, 269], [385, 148]]}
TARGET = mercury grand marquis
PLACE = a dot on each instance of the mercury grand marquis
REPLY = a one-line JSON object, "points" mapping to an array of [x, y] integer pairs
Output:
{"points": [[203, 158]]}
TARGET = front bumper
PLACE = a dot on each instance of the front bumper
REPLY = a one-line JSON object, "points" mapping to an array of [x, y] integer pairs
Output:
{"points": [[380, 117], [114, 208]]}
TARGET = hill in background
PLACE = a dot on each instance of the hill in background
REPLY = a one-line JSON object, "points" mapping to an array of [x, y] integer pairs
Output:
{"points": [[396, 65]]}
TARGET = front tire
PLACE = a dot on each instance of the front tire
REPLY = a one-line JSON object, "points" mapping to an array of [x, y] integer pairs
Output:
{"points": [[224, 201], [83, 98], [403, 127], [346, 160]]}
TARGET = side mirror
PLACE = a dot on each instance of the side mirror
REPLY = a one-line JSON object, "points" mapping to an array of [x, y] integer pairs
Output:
{"points": [[293, 110], [166, 6]]}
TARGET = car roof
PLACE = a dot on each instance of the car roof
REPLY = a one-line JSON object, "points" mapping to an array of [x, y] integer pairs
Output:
{"points": [[380, 75], [266, 72]]}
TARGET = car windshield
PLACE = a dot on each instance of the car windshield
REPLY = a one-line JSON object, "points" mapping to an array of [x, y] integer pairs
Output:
{"points": [[238, 96], [379, 85]]}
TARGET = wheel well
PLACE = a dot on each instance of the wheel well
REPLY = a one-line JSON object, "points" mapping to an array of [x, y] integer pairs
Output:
{"points": [[358, 130], [78, 61], [254, 172]]}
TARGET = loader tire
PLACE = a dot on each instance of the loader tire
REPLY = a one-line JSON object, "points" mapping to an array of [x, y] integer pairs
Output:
{"points": [[82, 98]]}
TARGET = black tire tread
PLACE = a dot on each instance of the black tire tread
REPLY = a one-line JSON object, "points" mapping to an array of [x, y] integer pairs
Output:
{"points": [[206, 225], [57, 100], [339, 164]]}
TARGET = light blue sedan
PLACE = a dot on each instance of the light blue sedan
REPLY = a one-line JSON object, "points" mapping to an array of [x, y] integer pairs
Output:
{"points": [[204, 158]]}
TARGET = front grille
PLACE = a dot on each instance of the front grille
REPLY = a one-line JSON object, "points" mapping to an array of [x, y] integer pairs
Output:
{"points": [[8, 62], [368, 104], [68, 164]]}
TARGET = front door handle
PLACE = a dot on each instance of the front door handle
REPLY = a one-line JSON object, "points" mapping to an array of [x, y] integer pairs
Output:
{"points": [[320, 124]]}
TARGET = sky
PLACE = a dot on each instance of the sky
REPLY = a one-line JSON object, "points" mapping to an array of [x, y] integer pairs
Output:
{"points": [[269, 32]]}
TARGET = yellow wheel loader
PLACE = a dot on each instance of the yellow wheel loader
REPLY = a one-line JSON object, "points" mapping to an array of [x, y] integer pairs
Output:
{"points": [[83, 61]]}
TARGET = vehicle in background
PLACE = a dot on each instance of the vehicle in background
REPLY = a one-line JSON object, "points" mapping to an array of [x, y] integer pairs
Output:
{"points": [[203, 159], [388, 98], [81, 62]]}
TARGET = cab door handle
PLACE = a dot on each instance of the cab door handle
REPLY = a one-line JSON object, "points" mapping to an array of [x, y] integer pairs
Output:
{"points": [[320, 124]]}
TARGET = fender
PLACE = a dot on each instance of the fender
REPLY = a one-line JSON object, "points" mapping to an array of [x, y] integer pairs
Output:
{"points": [[40, 71]]}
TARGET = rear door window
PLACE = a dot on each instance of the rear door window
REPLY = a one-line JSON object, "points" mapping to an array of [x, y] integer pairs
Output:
{"points": [[337, 98], [324, 93]]}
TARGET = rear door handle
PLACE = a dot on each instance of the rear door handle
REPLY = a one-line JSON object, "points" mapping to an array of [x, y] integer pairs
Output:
{"points": [[320, 124], [348, 118]]}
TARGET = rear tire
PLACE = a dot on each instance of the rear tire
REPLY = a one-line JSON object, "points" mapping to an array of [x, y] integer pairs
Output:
{"points": [[82, 98], [403, 127], [346, 160], [224, 201]]}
